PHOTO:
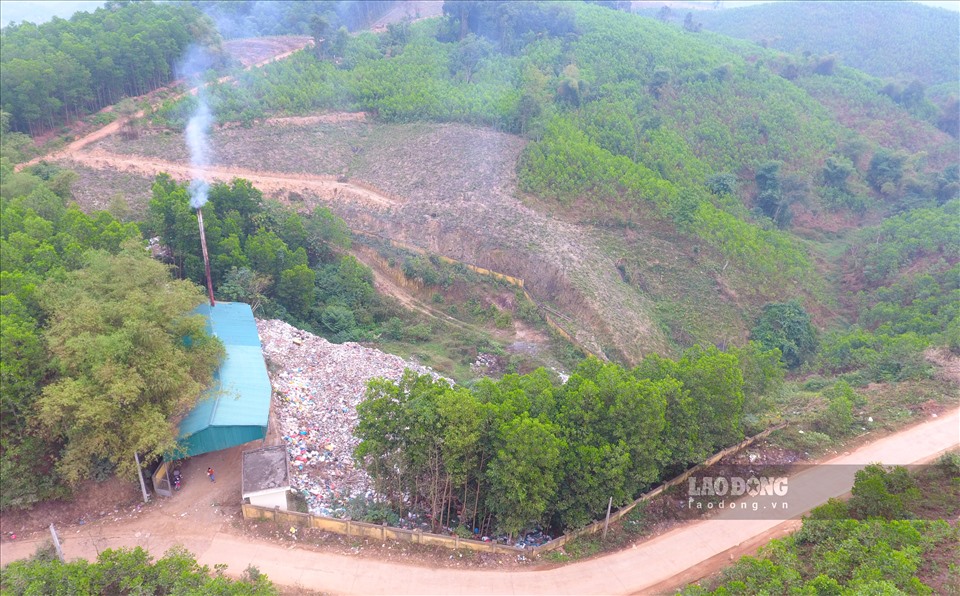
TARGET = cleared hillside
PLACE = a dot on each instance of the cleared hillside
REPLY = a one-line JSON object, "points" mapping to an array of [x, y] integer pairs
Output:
{"points": [[657, 186]]}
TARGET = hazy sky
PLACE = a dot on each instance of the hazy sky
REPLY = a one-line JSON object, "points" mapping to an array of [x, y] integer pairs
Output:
{"points": [[39, 12]]}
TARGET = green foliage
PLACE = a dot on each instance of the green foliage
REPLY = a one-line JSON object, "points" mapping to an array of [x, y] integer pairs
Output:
{"points": [[128, 571], [836, 171], [529, 452], [884, 493], [271, 257], [117, 328], [876, 357], [900, 240], [838, 417], [522, 475], [27, 473], [58, 71], [41, 239], [886, 170], [786, 327], [835, 552], [841, 30]]}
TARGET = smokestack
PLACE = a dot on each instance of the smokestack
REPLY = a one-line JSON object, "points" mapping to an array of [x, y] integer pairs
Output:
{"points": [[206, 258]]}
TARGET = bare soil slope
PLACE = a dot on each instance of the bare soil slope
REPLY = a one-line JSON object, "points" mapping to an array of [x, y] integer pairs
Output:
{"points": [[448, 188]]}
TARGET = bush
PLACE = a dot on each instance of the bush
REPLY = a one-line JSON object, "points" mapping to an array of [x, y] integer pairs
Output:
{"points": [[838, 417], [635, 522], [419, 332], [786, 326], [879, 492]]}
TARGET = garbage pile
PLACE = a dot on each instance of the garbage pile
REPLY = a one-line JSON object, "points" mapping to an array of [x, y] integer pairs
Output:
{"points": [[317, 386]]}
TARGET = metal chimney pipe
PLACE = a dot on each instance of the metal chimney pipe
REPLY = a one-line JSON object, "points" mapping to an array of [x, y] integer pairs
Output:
{"points": [[206, 258]]}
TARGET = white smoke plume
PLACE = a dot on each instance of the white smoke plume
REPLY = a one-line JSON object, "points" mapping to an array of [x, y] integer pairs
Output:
{"points": [[197, 133]]}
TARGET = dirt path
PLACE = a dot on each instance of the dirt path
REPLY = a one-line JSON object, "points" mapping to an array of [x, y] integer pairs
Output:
{"points": [[267, 51], [275, 183], [682, 555]]}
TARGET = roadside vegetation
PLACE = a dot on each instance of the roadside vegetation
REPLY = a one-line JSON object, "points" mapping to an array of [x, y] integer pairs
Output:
{"points": [[101, 355], [506, 456], [128, 571], [892, 537]]}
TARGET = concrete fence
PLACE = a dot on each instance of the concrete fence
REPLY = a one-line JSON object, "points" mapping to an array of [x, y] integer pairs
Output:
{"points": [[597, 526], [382, 532], [375, 531]]}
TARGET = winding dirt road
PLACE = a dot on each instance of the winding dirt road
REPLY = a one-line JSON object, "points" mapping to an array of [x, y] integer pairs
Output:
{"points": [[271, 183], [655, 566]]}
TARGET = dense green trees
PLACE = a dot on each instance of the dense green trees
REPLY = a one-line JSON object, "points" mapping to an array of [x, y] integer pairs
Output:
{"points": [[61, 70], [131, 359], [842, 29], [94, 364], [128, 571], [786, 327], [284, 264], [524, 451]]}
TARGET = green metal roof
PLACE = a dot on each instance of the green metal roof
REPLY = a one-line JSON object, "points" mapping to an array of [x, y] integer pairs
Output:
{"points": [[236, 408]]}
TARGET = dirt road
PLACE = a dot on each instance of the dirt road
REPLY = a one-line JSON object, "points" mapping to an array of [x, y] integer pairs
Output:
{"points": [[655, 564], [252, 53], [275, 183]]}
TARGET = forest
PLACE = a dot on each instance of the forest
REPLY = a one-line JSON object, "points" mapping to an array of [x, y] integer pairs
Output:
{"points": [[850, 34], [93, 354], [286, 265], [81, 298], [54, 73]]}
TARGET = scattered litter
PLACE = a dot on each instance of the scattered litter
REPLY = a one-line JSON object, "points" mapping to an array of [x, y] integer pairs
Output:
{"points": [[317, 386]]}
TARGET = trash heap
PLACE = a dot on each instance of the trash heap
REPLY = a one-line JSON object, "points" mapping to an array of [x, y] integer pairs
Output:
{"points": [[317, 386]]}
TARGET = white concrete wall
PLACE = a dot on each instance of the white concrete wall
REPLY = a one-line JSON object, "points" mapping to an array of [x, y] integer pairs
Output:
{"points": [[277, 498]]}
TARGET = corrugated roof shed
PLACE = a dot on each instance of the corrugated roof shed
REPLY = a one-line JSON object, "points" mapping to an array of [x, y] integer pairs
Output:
{"points": [[235, 410]]}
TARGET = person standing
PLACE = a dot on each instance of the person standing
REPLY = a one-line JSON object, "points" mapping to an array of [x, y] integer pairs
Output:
{"points": [[210, 474]]}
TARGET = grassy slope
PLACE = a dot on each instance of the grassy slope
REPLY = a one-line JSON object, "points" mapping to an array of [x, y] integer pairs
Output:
{"points": [[901, 40]]}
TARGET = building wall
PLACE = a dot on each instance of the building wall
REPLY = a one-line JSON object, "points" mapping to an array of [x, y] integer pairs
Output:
{"points": [[277, 498]]}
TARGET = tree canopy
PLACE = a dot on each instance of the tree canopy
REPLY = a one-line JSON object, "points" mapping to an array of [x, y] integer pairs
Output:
{"points": [[131, 358], [523, 451], [61, 70], [129, 571]]}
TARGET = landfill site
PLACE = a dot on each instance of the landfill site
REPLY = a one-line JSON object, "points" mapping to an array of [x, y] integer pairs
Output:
{"points": [[317, 386]]}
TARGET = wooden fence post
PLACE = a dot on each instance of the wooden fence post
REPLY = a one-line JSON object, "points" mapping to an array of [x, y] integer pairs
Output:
{"points": [[607, 522]]}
